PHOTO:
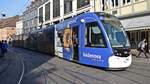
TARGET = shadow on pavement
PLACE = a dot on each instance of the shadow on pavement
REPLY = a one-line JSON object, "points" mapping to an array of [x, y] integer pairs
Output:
{"points": [[34, 62]]}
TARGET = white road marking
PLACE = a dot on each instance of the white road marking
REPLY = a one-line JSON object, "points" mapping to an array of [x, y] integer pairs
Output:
{"points": [[23, 70]]}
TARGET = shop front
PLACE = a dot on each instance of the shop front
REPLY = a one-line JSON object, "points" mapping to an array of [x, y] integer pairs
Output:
{"points": [[137, 28]]}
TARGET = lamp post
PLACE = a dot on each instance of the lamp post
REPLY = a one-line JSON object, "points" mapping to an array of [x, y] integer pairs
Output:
{"points": [[3, 15]]}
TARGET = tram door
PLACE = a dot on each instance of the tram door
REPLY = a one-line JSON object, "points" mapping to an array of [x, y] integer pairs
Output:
{"points": [[75, 41], [93, 47]]}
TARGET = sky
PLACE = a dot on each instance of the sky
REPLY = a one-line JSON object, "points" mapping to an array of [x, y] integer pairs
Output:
{"points": [[13, 7]]}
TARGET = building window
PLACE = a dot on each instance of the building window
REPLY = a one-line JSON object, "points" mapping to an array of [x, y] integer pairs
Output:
{"points": [[105, 4], [47, 11], [114, 12], [126, 2], [82, 3], [56, 8], [114, 3], [41, 15], [67, 6]]}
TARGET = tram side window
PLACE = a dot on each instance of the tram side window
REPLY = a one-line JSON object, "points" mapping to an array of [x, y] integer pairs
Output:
{"points": [[94, 36], [67, 38], [60, 38]]}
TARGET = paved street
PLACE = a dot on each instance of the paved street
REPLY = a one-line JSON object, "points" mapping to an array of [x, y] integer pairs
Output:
{"points": [[22, 66]]}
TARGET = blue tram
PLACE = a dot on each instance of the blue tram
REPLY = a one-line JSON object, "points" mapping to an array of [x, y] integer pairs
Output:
{"points": [[93, 38], [96, 39]]}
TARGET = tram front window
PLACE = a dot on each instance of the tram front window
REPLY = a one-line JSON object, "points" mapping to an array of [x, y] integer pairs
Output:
{"points": [[116, 34], [94, 36]]}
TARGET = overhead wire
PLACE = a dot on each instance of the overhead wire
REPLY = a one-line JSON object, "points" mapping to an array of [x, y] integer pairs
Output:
{"points": [[23, 7]]}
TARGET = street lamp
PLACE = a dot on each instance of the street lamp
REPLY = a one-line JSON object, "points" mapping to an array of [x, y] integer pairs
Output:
{"points": [[3, 15]]}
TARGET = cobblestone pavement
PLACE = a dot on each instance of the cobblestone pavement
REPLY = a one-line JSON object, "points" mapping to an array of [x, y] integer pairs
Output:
{"points": [[45, 69]]}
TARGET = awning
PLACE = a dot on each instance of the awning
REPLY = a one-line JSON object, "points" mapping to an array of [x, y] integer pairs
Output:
{"points": [[136, 23], [137, 28]]}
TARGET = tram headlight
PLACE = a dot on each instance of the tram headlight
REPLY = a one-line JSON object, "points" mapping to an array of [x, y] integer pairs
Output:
{"points": [[121, 52], [82, 20]]}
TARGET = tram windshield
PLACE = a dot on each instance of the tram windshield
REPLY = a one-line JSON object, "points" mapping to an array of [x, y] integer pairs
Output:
{"points": [[115, 32]]}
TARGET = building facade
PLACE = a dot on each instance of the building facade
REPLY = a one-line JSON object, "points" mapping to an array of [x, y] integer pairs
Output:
{"points": [[19, 26], [8, 28], [54, 11], [134, 14], [30, 18]]}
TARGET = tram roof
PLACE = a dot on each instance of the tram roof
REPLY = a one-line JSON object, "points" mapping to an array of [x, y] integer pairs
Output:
{"points": [[74, 20]]}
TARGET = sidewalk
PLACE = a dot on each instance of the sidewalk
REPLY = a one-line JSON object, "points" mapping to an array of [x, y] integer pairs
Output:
{"points": [[141, 59]]}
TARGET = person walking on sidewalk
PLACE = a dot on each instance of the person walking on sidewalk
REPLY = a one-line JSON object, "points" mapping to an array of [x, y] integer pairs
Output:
{"points": [[0, 48], [142, 48], [4, 47]]}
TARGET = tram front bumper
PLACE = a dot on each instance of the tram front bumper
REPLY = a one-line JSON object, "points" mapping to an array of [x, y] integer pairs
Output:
{"points": [[116, 62]]}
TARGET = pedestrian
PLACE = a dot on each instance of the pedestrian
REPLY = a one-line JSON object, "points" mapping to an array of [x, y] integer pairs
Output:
{"points": [[75, 39], [4, 47], [142, 48], [0, 48]]}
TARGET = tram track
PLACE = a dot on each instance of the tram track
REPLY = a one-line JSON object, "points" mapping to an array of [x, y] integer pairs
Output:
{"points": [[73, 73], [8, 72], [23, 66], [56, 74], [82, 76], [130, 71], [133, 75], [6, 66], [23, 71], [40, 69], [140, 68], [46, 72], [87, 75], [50, 71], [67, 72], [136, 82], [76, 75], [62, 76]]}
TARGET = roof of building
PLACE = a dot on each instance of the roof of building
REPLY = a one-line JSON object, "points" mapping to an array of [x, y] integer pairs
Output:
{"points": [[9, 22]]}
